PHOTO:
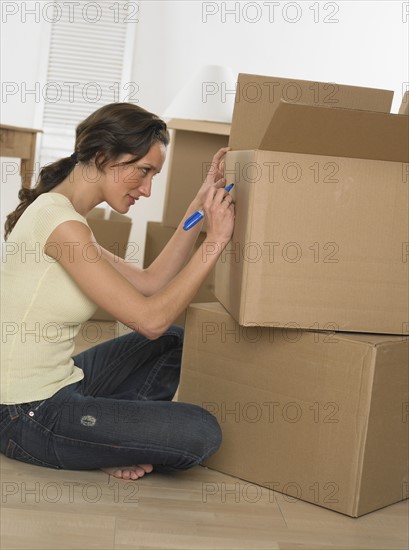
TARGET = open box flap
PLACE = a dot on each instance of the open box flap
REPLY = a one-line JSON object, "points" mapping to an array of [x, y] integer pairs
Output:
{"points": [[257, 97], [205, 127], [338, 132]]}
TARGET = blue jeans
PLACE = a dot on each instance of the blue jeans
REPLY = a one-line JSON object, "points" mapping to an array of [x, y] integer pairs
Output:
{"points": [[119, 414]]}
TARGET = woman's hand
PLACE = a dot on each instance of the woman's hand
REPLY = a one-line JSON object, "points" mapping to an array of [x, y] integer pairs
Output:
{"points": [[215, 177], [219, 210]]}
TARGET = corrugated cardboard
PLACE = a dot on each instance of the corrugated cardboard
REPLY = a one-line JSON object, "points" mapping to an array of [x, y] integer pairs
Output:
{"points": [[112, 234], [157, 236], [321, 228], [320, 416], [193, 145]]}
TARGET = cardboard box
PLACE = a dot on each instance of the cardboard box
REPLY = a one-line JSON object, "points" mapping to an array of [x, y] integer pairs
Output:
{"points": [[112, 234], [157, 236], [193, 145], [321, 230], [322, 417]]}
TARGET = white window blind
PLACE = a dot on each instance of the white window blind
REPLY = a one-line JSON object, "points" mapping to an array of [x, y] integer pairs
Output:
{"points": [[89, 65]]}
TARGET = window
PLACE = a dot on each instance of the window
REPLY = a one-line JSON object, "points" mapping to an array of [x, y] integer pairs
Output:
{"points": [[89, 65]]}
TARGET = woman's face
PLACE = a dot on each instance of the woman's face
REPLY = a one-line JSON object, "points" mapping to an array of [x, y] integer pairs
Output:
{"points": [[125, 183]]}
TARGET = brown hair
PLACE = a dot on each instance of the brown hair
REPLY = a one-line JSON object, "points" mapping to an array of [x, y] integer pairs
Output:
{"points": [[109, 132]]}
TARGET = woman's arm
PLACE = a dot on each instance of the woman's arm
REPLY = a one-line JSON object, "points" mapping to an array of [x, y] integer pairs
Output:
{"points": [[177, 251], [106, 287], [170, 261]]}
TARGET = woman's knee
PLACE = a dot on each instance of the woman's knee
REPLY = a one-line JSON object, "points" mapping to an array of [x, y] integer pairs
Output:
{"points": [[203, 433], [213, 433]]}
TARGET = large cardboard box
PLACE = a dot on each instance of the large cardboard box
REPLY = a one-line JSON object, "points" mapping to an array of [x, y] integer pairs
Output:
{"points": [[321, 230], [193, 144], [320, 416], [112, 234], [157, 236]]}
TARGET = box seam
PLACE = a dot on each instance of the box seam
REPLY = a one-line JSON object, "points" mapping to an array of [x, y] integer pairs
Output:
{"points": [[248, 231], [362, 447]]}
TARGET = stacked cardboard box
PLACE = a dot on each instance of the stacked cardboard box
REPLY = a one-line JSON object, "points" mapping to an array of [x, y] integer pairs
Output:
{"points": [[308, 402], [112, 234], [321, 219], [322, 417], [157, 236], [193, 144]]}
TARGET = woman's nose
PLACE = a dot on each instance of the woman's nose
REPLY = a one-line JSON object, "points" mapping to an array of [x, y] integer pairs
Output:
{"points": [[146, 188]]}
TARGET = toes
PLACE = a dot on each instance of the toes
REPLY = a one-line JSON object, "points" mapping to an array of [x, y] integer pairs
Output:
{"points": [[129, 472], [116, 472], [147, 467], [132, 472]]}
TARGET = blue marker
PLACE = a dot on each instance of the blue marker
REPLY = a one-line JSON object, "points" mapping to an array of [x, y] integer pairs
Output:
{"points": [[199, 214]]}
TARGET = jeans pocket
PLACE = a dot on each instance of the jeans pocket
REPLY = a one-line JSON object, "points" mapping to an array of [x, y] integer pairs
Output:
{"points": [[13, 450]]}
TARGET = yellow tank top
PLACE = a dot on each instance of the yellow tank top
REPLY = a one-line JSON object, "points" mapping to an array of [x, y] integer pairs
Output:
{"points": [[42, 308]]}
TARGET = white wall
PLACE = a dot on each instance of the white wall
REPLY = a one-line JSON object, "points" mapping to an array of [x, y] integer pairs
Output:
{"points": [[367, 46], [24, 51]]}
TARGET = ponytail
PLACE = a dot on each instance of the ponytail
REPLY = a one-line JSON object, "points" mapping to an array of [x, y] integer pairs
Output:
{"points": [[50, 176]]}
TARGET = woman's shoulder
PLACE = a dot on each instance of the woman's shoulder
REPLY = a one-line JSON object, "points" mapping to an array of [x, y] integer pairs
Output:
{"points": [[56, 204], [49, 211]]}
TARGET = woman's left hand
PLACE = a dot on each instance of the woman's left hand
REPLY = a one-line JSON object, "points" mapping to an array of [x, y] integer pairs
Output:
{"points": [[215, 176]]}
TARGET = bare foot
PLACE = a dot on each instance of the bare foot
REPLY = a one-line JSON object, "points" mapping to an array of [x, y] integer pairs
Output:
{"points": [[129, 472]]}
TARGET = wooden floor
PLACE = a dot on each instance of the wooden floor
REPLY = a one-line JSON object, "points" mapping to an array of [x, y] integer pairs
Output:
{"points": [[197, 509]]}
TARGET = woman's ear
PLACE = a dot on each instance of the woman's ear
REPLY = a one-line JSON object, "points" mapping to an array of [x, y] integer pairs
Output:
{"points": [[99, 161]]}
